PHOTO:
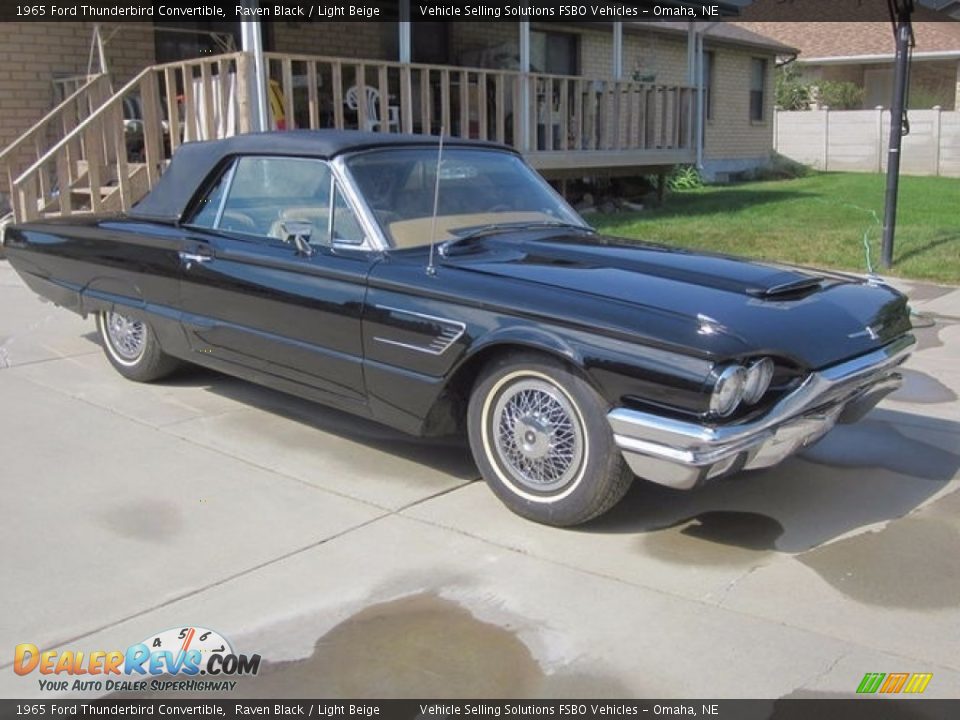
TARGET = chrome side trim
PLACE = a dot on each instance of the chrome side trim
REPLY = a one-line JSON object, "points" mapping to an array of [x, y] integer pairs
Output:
{"points": [[452, 330], [228, 186]]}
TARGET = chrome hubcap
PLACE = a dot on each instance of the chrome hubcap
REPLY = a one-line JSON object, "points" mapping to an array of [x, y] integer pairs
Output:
{"points": [[538, 436], [126, 336]]}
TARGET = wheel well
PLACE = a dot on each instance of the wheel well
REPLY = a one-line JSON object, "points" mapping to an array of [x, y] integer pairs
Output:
{"points": [[449, 412]]}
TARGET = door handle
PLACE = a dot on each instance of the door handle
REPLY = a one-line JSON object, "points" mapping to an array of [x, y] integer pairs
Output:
{"points": [[188, 258]]}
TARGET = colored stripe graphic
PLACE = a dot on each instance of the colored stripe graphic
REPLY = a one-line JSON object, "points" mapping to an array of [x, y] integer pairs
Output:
{"points": [[894, 682], [918, 682], [914, 683], [870, 683]]}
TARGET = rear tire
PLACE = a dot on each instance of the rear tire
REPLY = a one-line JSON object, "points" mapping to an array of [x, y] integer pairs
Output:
{"points": [[132, 347], [540, 436]]}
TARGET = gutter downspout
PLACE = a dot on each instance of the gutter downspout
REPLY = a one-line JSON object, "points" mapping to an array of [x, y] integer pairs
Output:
{"points": [[700, 89]]}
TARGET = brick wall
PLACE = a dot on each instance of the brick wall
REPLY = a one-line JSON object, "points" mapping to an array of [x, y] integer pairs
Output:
{"points": [[374, 40], [33, 54]]}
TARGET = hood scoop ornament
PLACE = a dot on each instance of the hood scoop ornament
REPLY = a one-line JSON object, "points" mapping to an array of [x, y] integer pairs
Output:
{"points": [[788, 290]]}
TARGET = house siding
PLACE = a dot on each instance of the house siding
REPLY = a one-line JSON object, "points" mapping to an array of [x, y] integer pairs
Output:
{"points": [[372, 40], [730, 134]]}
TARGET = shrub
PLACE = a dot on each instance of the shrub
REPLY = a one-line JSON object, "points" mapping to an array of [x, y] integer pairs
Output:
{"points": [[792, 93], [838, 95], [684, 177]]}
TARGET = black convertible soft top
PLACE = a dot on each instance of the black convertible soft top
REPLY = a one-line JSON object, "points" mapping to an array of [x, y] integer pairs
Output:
{"points": [[194, 161]]}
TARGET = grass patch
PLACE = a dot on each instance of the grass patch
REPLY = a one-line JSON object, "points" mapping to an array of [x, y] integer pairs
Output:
{"points": [[819, 220]]}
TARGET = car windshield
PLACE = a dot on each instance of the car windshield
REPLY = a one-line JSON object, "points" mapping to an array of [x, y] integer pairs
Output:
{"points": [[479, 190]]}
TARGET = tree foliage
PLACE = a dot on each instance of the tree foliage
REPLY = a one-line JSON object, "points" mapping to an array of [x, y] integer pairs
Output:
{"points": [[838, 95], [792, 92]]}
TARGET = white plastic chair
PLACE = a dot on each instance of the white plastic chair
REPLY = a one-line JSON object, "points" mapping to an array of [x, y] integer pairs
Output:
{"points": [[371, 110]]}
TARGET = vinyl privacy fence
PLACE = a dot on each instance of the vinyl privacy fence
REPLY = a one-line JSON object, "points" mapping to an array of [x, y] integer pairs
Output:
{"points": [[856, 140]]}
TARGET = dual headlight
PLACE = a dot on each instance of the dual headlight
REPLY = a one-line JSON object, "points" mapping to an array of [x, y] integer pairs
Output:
{"points": [[740, 384]]}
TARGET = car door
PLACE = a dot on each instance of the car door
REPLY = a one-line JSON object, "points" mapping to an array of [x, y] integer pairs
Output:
{"points": [[266, 290]]}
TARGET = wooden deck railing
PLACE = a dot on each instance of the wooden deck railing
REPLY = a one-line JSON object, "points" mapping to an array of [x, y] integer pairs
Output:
{"points": [[56, 124], [108, 151], [115, 154], [564, 113]]}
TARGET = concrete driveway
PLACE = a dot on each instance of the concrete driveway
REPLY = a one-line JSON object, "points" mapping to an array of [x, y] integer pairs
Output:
{"points": [[359, 562]]}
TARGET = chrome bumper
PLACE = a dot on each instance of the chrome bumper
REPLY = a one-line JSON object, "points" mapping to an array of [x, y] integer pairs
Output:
{"points": [[683, 454]]}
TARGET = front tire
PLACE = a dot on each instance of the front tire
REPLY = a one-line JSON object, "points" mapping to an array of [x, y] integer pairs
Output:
{"points": [[132, 347], [539, 435]]}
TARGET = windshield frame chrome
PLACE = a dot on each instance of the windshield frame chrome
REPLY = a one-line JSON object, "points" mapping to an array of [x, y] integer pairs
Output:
{"points": [[379, 236]]}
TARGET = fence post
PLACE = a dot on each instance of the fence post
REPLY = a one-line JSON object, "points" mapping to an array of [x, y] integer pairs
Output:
{"points": [[879, 142], [826, 138], [937, 118]]}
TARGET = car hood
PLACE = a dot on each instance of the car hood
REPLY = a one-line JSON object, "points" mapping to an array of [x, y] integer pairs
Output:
{"points": [[815, 318]]}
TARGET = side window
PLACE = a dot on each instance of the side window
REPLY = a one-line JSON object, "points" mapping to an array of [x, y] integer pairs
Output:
{"points": [[206, 213], [346, 227], [266, 191], [264, 194]]}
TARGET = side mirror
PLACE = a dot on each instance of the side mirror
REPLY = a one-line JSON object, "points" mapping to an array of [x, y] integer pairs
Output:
{"points": [[298, 233]]}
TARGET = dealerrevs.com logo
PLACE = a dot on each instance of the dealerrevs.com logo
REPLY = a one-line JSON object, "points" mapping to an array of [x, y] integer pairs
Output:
{"points": [[180, 655]]}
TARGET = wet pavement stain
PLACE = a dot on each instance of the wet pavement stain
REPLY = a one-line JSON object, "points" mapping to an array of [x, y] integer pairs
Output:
{"points": [[715, 538], [878, 444], [417, 646], [925, 292], [414, 647], [154, 521], [923, 389], [911, 563], [927, 331]]}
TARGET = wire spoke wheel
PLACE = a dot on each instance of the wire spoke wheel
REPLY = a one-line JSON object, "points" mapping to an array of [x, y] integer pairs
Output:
{"points": [[538, 435], [127, 338]]}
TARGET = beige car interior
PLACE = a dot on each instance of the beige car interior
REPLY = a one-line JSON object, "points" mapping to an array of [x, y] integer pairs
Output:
{"points": [[416, 232]]}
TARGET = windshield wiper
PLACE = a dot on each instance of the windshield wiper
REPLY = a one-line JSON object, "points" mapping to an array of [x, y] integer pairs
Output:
{"points": [[475, 232]]}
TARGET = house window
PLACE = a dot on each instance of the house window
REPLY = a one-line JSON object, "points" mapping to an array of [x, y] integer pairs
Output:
{"points": [[554, 52], [708, 63], [758, 84]]}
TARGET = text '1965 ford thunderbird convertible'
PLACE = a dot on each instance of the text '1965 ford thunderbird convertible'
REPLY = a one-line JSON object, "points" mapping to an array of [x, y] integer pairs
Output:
{"points": [[437, 288]]}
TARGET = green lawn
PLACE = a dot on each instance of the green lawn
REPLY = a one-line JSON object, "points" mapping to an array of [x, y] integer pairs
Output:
{"points": [[819, 220]]}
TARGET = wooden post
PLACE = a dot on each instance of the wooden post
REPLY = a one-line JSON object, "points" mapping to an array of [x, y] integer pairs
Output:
{"points": [[153, 126], [336, 73], [63, 183], [206, 89], [445, 100], [360, 78], [464, 104], [384, 91], [482, 110], [116, 129], [499, 97], [406, 99], [313, 101]]}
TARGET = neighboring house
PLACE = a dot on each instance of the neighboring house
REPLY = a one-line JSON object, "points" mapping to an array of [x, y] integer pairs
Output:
{"points": [[582, 109], [863, 53]]}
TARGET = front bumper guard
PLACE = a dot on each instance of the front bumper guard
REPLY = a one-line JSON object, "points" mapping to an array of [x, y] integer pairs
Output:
{"points": [[683, 454]]}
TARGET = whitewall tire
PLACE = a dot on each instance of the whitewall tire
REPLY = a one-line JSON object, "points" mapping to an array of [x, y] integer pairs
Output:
{"points": [[539, 435]]}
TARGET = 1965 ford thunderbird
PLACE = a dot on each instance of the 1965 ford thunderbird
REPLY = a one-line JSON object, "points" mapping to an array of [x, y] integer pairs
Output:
{"points": [[435, 290]]}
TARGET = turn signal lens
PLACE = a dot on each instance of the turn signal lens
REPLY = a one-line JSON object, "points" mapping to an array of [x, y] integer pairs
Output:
{"points": [[759, 376], [728, 392]]}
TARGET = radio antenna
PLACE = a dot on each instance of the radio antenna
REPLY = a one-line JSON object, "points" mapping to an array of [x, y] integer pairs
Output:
{"points": [[431, 268]]}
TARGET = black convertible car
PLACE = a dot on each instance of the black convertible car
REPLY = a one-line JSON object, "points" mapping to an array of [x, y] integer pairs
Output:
{"points": [[436, 289]]}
